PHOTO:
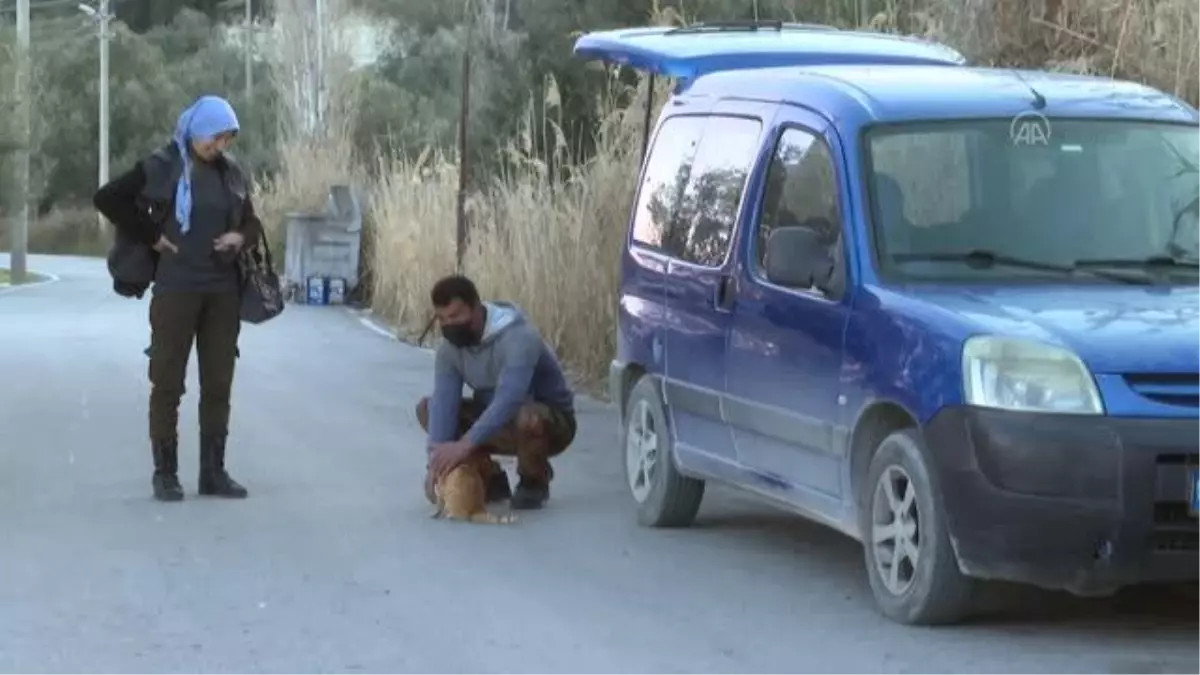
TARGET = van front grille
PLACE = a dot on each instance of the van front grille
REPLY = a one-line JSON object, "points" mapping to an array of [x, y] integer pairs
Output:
{"points": [[1176, 529], [1177, 389]]}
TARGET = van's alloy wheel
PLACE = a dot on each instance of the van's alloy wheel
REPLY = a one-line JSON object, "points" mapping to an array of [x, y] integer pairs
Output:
{"points": [[910, 561], [895, 530], [662, 495], [641, 451]]}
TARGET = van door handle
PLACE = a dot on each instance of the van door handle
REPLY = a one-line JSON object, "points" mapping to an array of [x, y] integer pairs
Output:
{"points": [[726, 293]]}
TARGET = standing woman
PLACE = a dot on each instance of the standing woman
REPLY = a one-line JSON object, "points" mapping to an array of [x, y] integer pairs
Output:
{"points": [[185, 213]]}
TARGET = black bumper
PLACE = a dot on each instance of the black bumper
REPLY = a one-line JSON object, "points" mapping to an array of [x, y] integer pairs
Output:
{"points": [[1082, 504]]}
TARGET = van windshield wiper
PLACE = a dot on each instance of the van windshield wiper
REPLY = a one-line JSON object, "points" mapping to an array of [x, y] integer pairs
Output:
{"points": [[985, 259], [1154, 262]]}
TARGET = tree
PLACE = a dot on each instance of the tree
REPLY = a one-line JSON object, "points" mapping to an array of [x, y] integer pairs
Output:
{"points": [[145, 15], [153, 76]]}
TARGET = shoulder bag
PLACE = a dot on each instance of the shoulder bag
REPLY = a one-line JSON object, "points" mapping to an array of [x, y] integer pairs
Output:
{"points": [[262, 297]]}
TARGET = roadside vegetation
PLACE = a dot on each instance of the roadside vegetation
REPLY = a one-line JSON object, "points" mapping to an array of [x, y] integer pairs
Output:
{"points": [[553, 143], [30, 277]]}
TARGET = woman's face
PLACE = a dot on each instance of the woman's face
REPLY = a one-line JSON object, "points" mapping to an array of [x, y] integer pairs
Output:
{"points": [[210, 149]]}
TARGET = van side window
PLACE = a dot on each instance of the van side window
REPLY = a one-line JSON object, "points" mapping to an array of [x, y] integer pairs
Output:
{"points": [[801, 189], [709, 207], [666, 176]]}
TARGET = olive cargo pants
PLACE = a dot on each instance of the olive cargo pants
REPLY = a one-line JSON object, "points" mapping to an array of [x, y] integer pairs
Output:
{"points": [[538, 434], [213, 322]]}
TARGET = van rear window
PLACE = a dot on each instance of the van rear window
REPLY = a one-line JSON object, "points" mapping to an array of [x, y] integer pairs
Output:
{"points": [[693, 187], [666, 174]]}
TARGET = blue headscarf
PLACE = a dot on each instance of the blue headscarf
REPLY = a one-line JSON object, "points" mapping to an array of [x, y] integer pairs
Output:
{"points": [[204, 119]]}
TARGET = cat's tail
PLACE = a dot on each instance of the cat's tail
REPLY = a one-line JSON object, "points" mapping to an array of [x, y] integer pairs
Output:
{"points": [[486, 518]]}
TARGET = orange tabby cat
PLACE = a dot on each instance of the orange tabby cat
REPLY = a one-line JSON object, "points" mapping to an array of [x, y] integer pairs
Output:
{"points": [[462, 495]]}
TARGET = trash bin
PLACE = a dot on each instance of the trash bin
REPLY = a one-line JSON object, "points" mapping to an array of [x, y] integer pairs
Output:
{"points": [[324, 245]]}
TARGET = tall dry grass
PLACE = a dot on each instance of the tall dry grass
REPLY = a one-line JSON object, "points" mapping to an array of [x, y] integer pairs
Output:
{"points": [[412, 207], [1151, 41], [551, 242]]}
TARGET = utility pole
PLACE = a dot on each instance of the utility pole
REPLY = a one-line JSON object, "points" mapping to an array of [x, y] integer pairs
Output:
{"points": [[20, 224], [104, 38], [249, 33], [102, 17], [319, 96], [464, 163]]}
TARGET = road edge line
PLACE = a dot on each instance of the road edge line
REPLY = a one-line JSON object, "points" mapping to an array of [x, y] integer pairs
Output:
{"points": [[48, 279], [376, 324]]}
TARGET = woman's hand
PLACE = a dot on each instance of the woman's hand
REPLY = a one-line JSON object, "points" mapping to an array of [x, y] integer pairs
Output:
{"points": [[164, 245], [230, 241]]}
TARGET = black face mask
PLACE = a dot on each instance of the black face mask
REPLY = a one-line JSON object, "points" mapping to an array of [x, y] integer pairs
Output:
{"points": [[459, 334]]}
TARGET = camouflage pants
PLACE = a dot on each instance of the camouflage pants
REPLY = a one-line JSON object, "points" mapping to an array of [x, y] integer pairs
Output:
{"points": [[538, 433]]}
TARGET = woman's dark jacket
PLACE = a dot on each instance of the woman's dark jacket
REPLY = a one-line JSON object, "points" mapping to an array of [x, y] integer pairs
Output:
{"points": [[141, 205]]}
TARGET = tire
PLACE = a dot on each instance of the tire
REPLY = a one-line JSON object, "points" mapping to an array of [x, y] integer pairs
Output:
{"points": [[933, 591], [662, 496]]}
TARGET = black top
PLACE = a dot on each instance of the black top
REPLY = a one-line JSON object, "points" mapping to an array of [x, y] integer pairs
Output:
{"points": [[197, 267]]}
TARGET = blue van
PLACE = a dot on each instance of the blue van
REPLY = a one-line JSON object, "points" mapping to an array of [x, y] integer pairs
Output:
{"points": [[950, 311]]}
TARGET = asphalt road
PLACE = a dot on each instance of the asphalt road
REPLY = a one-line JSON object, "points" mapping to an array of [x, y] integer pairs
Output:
{"points": [[333, 566]]}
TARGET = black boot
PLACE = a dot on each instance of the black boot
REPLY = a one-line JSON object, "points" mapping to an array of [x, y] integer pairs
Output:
{"points": [[166, 469], [532, 494], [214, 481]]}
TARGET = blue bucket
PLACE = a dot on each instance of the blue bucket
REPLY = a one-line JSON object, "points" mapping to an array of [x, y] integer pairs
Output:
{"points": [[318, 291]]}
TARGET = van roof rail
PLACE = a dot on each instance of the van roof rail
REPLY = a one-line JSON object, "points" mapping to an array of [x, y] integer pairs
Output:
{"points": [[743, 25], [687, 52]]}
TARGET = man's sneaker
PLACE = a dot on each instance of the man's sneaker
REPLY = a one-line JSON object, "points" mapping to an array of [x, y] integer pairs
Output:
{"points": [[530, 495], [498, 489]]}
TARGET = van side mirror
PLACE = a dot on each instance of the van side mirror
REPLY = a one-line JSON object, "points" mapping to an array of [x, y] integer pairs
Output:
{"points": [[797, 258]]}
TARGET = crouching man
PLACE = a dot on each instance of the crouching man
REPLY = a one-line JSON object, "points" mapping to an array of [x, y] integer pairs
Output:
{"points": [[521, 406]]}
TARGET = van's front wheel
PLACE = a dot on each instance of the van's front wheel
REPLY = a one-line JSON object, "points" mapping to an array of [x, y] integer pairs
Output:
{"points": [[912, 568], [664, 497]]}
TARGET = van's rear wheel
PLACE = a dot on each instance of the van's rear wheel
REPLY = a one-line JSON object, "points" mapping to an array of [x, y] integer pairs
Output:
{"points": [[663, 496], [912, 567]]}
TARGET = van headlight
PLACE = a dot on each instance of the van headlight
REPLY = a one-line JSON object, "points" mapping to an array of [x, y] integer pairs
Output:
{"points": [[1013, 374]]}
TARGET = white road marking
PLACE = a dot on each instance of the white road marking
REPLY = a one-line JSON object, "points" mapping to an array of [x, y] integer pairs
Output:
{"points": [[9, 288], [365, 318], [375, 328]]}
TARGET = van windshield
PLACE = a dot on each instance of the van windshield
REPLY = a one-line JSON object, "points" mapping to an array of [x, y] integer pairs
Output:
{"points": [[1093, 201]]}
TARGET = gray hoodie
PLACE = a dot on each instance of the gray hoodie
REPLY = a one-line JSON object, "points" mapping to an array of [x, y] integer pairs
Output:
{"points": [[510, 365]]}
